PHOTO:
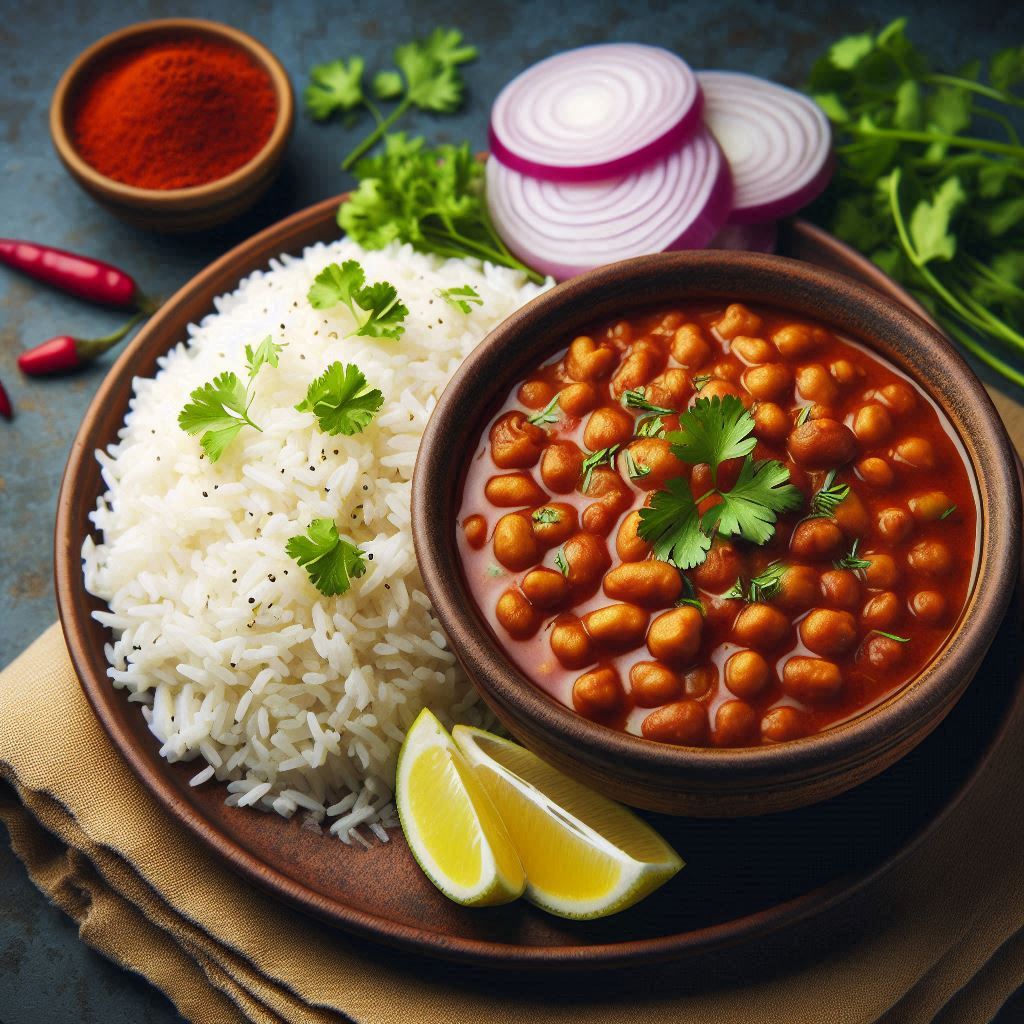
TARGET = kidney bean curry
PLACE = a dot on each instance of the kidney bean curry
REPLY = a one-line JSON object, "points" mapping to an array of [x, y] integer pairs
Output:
{"points": [[718, 526]]}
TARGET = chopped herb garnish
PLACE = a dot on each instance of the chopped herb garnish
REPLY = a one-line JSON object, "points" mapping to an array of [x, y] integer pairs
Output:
{"points": [[340, 401], [892, 636], [462, 298], [495, 570], [802, 415], [549, 414], [650, 426], [591, 462], [634, 399], [700, 380], [547, 515], [331, 561], [763, 587], [265, 353], [690, 595], [828, 497], [635, 469], [852, 560], [949, 511], [713, 431], [375, 307], [560, 563]]}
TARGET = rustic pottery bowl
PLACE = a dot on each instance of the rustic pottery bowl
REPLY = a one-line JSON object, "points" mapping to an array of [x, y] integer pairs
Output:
{"points": [[174, 211], [688, 780]]}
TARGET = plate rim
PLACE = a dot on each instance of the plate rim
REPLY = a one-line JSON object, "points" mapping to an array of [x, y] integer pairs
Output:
{"points": [[283, 236]]}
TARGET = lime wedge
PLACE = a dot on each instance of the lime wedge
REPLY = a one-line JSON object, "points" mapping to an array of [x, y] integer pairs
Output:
{"points": [[584, 855], [451, 826]]}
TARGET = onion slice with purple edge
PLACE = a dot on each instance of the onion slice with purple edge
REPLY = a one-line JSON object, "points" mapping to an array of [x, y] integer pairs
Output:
{"points": [[747, 237], [595, 112], [564, 229], [778, 143]]}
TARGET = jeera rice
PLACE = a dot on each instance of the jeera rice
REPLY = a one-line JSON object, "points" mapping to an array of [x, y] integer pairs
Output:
{"points": [[299, 701]]}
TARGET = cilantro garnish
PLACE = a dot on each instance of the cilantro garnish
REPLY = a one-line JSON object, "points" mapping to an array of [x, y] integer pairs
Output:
{"points": [[560, 563], [331, 561], [650, 426], [340, 401], [763, 587], [462, 298], [851, 560], [949, 511], [713, 431], [690, 595], [266, 353], [430, 198], [700, 380], [347, 284], [592, 461], [547, 515], [634, 399], [828, 497], [427, 78], [635, 469], [549, 414], [892, 636], [803, 415]]}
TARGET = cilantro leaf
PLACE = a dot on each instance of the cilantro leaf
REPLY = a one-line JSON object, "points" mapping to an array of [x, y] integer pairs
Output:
{"points": [[380, 300], [387, 85], [592, 461], [335, 86], [671, 525], [464, 297], [1007, 68], [340, 401], [336, 284], [750, 507], [547, 515], [930, 222], [266, 353], [219, 409], [346, 285], [551, 413], [712, 431], [763, 587], [445, 46], [429, 84], [331, 561]]}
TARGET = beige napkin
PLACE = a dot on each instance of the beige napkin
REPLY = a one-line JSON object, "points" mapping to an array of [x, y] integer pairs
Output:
{"points": [[939, 937]]}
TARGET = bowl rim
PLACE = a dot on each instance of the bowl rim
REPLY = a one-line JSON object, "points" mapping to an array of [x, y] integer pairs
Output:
{"points": [[209, 193], [524, 340]]}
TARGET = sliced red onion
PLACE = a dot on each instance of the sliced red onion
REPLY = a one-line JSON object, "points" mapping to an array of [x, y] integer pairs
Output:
{"points": [[564, 229], [777, 142], [747, 237], [595, 112]]}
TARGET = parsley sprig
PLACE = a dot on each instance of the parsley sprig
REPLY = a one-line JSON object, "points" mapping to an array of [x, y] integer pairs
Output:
{"points": [[712, 432], [375, 307], [341, 400], [427, 78], [220, 408], [331, 561]]}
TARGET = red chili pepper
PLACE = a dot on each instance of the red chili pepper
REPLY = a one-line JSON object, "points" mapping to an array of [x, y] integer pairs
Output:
{"points": [[65, 353], [78, 275], [5, 404]]}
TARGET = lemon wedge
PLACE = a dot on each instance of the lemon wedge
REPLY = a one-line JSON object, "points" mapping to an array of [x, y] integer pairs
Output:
{"points": [[584, 855], [448, 819]]}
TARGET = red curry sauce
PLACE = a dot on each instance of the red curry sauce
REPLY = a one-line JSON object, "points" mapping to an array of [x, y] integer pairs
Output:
{"points": [[581, 605]]}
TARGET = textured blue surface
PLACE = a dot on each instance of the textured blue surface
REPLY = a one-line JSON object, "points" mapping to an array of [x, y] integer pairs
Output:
{"points": [[45, 972]]}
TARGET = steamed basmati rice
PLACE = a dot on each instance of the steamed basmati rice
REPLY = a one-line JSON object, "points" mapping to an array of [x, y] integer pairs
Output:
{"points": [[297, 701]]}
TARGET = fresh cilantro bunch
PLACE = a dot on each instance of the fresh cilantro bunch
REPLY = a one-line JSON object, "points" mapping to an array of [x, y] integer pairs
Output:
{"points": [[714, 431], [331, 561], [930, 181], [427, 78], [220, 408], [430, 198], [375, 307], [341, 401]]}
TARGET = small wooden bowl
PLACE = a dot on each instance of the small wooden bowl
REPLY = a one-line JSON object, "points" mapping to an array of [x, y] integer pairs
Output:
{"points": [[180, 210], [688, 780]]}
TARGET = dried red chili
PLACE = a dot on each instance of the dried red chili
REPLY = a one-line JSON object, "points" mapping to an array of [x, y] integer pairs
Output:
{"points": [[174, 113]]}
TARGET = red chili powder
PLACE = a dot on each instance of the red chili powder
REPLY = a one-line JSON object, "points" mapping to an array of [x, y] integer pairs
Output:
{"points": [[174, 113]]}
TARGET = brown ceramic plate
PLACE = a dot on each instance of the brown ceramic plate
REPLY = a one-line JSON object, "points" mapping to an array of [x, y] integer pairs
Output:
{"points": [[745, 878]]}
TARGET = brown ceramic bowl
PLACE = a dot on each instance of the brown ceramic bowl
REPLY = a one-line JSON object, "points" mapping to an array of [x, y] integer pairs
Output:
{"points": [[687, 780], [180, 210]]}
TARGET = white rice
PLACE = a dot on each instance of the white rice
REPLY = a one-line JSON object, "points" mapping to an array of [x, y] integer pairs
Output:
{"points": [[296, 700]]}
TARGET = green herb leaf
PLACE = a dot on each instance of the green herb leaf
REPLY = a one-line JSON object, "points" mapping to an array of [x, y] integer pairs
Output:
{"points": [[700, 380], [266, 353], [892, 636], [388, 85], [336, 284], [560, 563], [549, 414], [380, 300], [949, 511], [650, 426], [429, 84], [712, 431], [763, 587], [930, 222], [379, 315], [828, 497], [852, 560], [340, 401], [803, 415], [335, 87], [219, 409], [331, 561], [592, 461], [634, 399], [671, 525], [547, 515], [463, 298], [636, 470], [1007, 68], [750, 508]]}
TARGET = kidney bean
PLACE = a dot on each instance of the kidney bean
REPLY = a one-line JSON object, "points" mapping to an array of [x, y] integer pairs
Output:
{"points": [[561, 467], [514, 543], [652, 584], [654, 684], [570, 642], [812, 680], [546, 588], [616, 627], [597, 693], [747, 673], [735, 724], [760, 626], [783, 723], [517, 615], [513, 490], [675, 636], [629, 546], [515, 444], [684, 723], [608, 425], [475, 528]]}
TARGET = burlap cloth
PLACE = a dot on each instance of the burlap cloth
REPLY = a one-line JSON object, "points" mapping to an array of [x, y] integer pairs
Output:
{"points": [[939, 937]]}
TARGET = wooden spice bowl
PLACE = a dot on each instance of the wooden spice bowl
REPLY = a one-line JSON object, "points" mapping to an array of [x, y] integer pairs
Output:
{"points": [[180, 210], [699, 781]]}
